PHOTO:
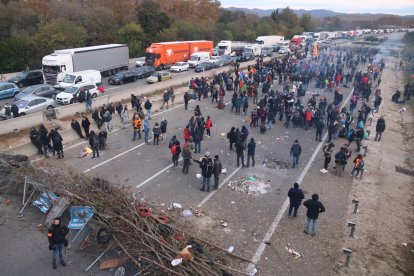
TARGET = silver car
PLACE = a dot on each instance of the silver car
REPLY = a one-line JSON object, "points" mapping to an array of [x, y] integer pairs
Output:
{"points": [[41, 90], [31, 104]]}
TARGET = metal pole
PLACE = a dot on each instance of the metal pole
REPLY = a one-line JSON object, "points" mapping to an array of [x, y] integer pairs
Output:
{"points": [[94, 262], [356, 202], [347, 260], [28, 200], [352, 231]]}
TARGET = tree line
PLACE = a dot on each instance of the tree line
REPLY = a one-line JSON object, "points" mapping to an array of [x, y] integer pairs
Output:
{"points": [[31, 29]]}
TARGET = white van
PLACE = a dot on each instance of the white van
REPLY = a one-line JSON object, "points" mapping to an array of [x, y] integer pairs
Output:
{"points": [[197, 58], [284, 43], [253, 48], [86, 76]]}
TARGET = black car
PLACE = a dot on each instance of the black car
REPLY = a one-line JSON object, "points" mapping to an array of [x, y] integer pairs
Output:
{"points": [[122, 77], [245, 57], [27, 78], [144, 72], [266, 52], [204, 66]]}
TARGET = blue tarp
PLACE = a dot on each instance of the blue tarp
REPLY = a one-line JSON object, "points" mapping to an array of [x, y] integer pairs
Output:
{"points": [[45, 201], [79, 216]]}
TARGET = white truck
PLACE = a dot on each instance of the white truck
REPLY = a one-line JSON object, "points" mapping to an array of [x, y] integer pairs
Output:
{"points": [[231, 48], [269, 40], [86, 76], [197, 58], [107, 59]]}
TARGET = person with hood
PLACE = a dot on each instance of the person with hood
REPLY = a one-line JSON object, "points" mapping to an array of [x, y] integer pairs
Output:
{"points": [[148, 107], [156, 131], [124, 116], [206, 165], [314, 208], [327, 153], [295, 152], [295, 197], [76, 126], [358, 166], [56, 139], [217, 168], [251, 148], [56, 235], [88, 101], [44, 139], [96, 118], [146, 130], [166, 99], [240, 152], [34, 138], [85, 125], [107, 120], [197, 137], [163, 128], [187, 133], [175, 151], [94, 143], [340, 161], [231, 135], [379, 128], [244, 134], [136, 124], [187, 156]]}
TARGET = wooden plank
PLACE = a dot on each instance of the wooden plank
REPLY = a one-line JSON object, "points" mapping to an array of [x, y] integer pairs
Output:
{"points": [[113, 263], [59, 206]]}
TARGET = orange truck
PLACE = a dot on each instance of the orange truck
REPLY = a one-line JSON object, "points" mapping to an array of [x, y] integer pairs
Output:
{"points": [[164, 54]]}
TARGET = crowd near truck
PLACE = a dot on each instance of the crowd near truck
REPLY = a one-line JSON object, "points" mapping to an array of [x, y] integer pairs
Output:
{"points": [[163, 55], [107, 59], [269, 40]]}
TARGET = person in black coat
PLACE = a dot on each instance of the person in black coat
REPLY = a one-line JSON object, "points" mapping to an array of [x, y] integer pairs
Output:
{"points": [[295, 196], [314, 208], [35, 139], [240, 152], [206, 165], [76, 126], [251, 148], [380, 128], [57, 240], [44, 139], [85, 125]]}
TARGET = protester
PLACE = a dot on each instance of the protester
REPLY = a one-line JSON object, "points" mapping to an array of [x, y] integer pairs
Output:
{"points": [[295, 198], [175, 151], [85, 125], [358, 166], [206, 166], [163, 128], [156, 132], [251, 148], [314, 208], [217, 168], [327, 153], [136, 124], [76, 126], [94, 143], [379, 128], [148, 107], [187, 156], [295, 152], [57, 240]]}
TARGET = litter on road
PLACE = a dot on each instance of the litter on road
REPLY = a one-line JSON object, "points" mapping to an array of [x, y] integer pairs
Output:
{"points": [[249, 185]]}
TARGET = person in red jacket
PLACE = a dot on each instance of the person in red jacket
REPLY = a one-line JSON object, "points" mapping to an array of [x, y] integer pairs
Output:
{"points": [[209, 124], [187, 133]]}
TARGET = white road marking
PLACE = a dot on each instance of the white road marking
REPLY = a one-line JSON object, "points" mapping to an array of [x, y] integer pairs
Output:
{"points": [[258, 254], [221, 185], [155, 175], [113, 158]]}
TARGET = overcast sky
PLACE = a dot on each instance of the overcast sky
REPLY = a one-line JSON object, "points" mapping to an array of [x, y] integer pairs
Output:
{"points": [[402, 7]]}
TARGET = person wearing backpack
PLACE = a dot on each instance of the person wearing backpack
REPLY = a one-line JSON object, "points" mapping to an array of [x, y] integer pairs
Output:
{"points": [[146, 130], [166, 98], [209, 124], [358, 166], [186, 100], [340, 161], [251, 148], [156, 131], [163, 127], [217, 168], [175, 151], [327, 153], [107, 119], [295, 152], [187, 156], [206, 165], [148, 106]]}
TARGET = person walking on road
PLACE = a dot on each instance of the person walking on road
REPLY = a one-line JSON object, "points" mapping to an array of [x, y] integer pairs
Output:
{"points": [[187, 156], [146, 130], [44, 140], [56, 139], [175, 151], [88, 101], [57, 240], [163, 128], [209, 124], [251, 148], [197, 137], [295, 152], [379, 128], [295, 197], [358, 166], [327, 153], [148, 107], [206, 165], [231, 135], [217, 168], [107, 119], [240, 152], [85, 125], [340, 161], [314, 208], [76, 126], [186, 100], [166, 99], [124, 116]]}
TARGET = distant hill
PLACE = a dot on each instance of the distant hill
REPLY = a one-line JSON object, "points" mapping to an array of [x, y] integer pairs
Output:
{"points": [[314, 13]]}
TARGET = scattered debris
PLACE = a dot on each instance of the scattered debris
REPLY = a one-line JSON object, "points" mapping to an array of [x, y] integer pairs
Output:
{"points": [[187, 213], [224, 223], [324, 171], [177, 205], [404, 243], [176, 262], [249, 185], [113, 263], [230, 249], [293, 252], [276, 164]]}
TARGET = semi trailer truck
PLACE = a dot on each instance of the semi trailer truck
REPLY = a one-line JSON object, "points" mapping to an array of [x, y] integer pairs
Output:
{"points": [[108, 59]]}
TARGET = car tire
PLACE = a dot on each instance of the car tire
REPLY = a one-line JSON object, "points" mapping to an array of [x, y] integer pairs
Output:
{"points": [[22, 114], [71, 101], [94, 95], [49, 107], [20, 85]]}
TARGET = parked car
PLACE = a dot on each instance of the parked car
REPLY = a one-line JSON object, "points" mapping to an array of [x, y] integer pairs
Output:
{"points": [[140, 62], [122, 77], [144, 71], [8, 90], [204, 66], [27, 78], [266, 52], [71, 93], [229, 58], [214, 59], [220, 63], [246, 56], [284, 50], [40, 90], [31, 104], [179, 67], [275, 48], [159, 76]]}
